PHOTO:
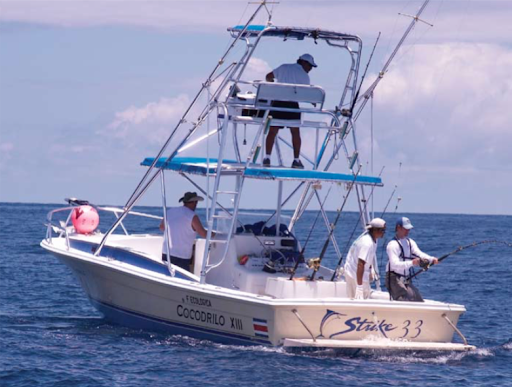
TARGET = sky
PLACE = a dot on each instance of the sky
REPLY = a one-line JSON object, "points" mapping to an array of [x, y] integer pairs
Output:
{"points": [[88, 89]]}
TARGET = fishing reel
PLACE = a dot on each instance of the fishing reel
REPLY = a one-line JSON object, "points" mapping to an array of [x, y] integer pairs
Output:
{"points": [[314, 263], [282, 261], [424, 264]]}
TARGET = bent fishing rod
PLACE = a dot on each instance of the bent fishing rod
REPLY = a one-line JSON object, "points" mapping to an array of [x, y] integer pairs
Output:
{"points": [[474, 244]]}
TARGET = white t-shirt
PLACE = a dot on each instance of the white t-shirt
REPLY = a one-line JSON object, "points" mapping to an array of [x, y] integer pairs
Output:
{"points": [[179, 222], [291, 73], [363, 248], [395, 263]]}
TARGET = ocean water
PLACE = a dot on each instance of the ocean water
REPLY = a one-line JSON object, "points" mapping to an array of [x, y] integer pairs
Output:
{"points": [[51, 335]]}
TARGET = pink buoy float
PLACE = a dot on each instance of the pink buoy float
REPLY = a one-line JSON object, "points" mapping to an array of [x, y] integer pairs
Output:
{"points": [[85, 219]]}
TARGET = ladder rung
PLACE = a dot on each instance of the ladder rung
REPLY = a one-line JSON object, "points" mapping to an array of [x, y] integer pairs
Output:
{"points": [[228, 192]]}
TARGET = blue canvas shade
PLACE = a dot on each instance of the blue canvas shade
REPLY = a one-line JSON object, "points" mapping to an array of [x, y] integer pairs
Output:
{"points": [[199, 166]]}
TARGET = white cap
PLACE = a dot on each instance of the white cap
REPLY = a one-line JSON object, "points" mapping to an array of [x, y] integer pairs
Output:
{"points": [[404, 222], [376, 223], [308, 58]]}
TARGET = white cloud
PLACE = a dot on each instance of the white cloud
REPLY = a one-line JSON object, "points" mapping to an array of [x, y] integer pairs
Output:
{"points": [[449, 104], [6, 150], [154, 120], [151, 122], [75, 149], [6, 147], [168, 15], [455, 20], [256, 69], [164, 111]]}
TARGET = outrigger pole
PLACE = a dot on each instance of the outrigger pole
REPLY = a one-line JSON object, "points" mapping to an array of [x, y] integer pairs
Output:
{"points": [[367, 94], [351, 117], [144, 183], [456, 251], [331, 232], [334, 275], [301, 254]]}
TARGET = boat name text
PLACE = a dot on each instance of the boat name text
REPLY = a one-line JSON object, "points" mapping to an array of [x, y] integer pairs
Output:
{"points": [[359, 324], [198, 301], [201, 316], [411, 329]]}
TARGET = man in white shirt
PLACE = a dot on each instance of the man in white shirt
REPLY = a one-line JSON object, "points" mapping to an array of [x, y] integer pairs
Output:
{"points": [[403, 254], [361, 259], [294, 73], [183, 225]]}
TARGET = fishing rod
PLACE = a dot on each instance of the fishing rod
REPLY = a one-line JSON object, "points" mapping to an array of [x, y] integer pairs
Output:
{"points": [[362, 78], [354, 229], [389, 201], [398, 199], [301, 254], [384, 244], [474, 244], [333, 226]]}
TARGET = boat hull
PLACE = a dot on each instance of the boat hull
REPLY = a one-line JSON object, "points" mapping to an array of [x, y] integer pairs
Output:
{"points": [[144, 300]]}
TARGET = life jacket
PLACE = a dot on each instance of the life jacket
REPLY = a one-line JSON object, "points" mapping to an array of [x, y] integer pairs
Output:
{"points": [[402, 255]]}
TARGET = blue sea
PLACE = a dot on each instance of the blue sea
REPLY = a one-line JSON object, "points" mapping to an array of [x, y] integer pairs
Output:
{"points": [[51, 335]]}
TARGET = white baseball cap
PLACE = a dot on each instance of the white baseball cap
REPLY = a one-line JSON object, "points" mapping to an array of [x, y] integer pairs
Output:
{"points": [[404, 222], [376, 223], [308, 58]]}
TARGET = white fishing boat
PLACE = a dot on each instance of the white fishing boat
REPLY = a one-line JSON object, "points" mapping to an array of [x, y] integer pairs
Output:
{"points": [[228, 297]]}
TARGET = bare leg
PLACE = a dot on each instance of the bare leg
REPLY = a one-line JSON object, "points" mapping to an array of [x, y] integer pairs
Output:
{"points": [[271, 136], [296, 142]]}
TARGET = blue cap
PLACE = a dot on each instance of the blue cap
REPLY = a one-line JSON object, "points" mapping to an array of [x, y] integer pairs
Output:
{"points": [[404, 222]]}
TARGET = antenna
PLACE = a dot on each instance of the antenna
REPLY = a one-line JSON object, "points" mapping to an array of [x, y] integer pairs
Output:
{"points": [[366, 95], [416, 18], [264, 4]]}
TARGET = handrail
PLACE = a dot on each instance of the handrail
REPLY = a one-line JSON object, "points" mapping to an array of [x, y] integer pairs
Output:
{"points": [[63, 229], [331, 113]]}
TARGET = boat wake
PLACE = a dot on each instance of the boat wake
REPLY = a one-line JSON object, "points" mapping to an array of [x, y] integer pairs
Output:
{"points": [[406, 357], [436, 358], [508, 345], [50, 322], [418, 357]]}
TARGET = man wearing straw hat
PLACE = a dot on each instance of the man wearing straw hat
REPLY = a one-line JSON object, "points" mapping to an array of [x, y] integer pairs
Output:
{"points": [[183, 225]]}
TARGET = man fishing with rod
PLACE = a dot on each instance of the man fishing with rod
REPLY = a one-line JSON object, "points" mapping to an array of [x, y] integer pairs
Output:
{"points": [[403, 254]]}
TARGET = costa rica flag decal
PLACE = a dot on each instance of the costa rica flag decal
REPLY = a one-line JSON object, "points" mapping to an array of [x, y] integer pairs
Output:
{"points": [[260, 327]]}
